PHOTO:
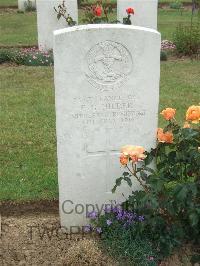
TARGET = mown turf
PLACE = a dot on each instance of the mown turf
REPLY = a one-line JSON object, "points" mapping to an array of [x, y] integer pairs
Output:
{"points": [[21, 28], [169, 19], [4, 3], [179, 86], [14, 2], [27, 118], [18, 28]]}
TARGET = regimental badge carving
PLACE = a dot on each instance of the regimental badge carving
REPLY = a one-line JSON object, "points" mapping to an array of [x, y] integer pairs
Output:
{"points": [[109, 65]]}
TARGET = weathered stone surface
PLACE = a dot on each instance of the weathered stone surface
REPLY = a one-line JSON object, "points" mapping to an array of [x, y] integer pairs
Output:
{"points": [[145, 12], [107, 93], [47, 20]]}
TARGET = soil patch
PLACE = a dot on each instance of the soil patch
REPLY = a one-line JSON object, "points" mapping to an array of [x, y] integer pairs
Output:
{"points": [[37, 239], [30, 234], [40, 207]]}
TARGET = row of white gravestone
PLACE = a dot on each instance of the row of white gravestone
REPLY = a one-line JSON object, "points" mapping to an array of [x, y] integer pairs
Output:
{"points": [[145, 15], [107, 94], [23, 3]]}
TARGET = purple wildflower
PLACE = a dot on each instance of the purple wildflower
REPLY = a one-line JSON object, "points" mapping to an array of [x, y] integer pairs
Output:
{"points": [[141, 218], [109, 222], [117, 209], [92, 215], [108, 209], [129, 215], [120, 215], [134, 215], [99, 230], [87, 228]]}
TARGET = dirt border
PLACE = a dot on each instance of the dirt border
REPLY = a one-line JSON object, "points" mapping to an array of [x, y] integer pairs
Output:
{"points": [[11, 7], [18, 46], [11, 208]]}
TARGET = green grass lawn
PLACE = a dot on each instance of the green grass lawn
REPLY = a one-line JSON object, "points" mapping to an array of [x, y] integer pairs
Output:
{"points": [[20, 29], [169, 19], [8, 3], [28, 154], [27, 118], [14, 2]]}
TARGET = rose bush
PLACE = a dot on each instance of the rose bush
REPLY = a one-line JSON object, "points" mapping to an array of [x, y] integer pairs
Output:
{"points": [[130, 11], [61, 11], [127, 20], [168, 113], [98, 12], [193, 114], [165, 137], [169, 198]]}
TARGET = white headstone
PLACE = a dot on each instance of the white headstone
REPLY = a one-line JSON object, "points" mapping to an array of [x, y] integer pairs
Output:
{"points": [[22, 4], [107, 94], [145, 12], [47, 20]]}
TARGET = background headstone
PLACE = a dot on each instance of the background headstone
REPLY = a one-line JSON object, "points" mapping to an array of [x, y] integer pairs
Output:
{"points": [[22, 3], [145, 12], [107, 94], [47, 20]]}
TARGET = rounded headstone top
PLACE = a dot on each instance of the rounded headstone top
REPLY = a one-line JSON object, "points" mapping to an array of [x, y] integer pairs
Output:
{"points": [[103, 27]]}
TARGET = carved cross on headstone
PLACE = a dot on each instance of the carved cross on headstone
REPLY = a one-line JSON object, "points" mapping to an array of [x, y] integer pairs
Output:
{"points": [[107, 152]]}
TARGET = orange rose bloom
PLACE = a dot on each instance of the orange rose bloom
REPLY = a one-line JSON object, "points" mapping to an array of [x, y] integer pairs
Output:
{"points": [[135, 153], [168, 113], [166, 137], [193, 114], [123, 159], [186, 125], [127, 149]]}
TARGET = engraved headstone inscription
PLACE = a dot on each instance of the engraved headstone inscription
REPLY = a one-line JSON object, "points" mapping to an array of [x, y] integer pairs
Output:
{"points": [[107, 93]]}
